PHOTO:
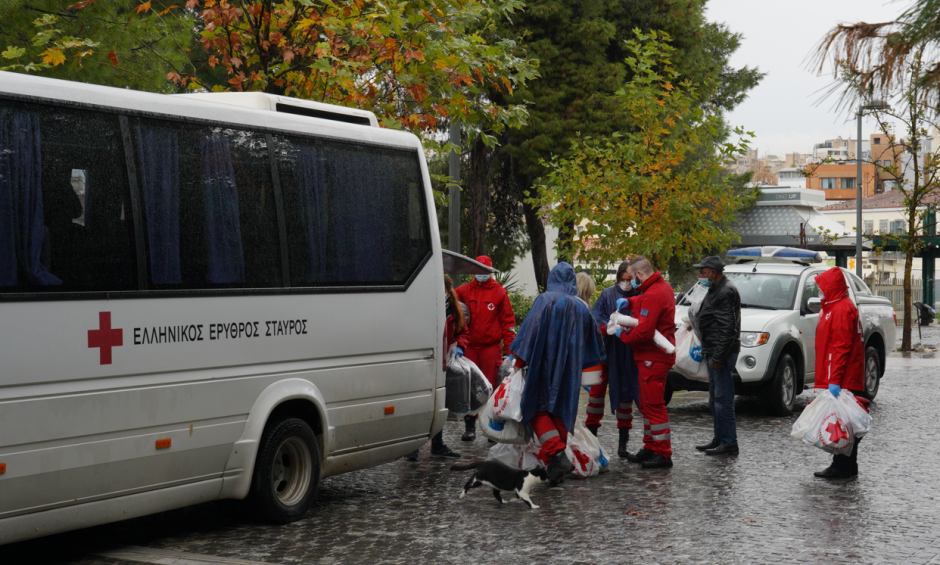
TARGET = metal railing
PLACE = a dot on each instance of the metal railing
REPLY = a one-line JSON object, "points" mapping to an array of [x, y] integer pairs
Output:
{"points": [[893, 290]]}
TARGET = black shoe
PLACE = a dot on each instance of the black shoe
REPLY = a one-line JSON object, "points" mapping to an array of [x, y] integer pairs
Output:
{"points": [[658, 462], [622, 446], [445, 453], [641, 456], [471, 431], [592, 429], [834, 472], [413, 456], [710, 445], [722, 450], [558, 467]]}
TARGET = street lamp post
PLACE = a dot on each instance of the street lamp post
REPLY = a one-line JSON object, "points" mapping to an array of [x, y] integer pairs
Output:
{"points": [[873, 105]]}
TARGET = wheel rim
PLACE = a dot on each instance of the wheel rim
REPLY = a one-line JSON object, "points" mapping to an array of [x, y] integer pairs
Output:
{"points": [[290, 474], [787, 383], [871, 374]]}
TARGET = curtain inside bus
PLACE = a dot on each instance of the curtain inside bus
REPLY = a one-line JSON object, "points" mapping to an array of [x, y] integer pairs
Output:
{"points": [[312, 185], [22, 230], [223, 230], [160, 179]]}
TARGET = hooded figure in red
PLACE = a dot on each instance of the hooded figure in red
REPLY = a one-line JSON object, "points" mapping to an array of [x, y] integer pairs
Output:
{"points": [[840, 356], [491, 328]]}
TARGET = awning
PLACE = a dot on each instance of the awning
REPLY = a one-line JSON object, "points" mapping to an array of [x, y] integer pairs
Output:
{"points": [[457, 264], [781, 225]]}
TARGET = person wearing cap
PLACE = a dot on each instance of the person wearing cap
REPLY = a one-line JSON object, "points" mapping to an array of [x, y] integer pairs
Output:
{"points": [[491, 330], [719, 322]]}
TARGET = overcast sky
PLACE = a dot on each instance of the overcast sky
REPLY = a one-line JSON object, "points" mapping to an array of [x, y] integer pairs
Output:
{"points": [[783, 111]]}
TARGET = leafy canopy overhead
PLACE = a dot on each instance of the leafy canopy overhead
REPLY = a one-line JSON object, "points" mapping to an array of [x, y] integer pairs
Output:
{"points": [[648, 190]]}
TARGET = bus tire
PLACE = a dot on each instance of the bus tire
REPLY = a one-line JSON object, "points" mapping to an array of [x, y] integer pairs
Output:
{"points": [[287, 471]]}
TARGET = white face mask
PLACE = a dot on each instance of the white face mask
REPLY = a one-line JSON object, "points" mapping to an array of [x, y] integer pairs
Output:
{"points": [[821, 295], [482, 278], [622, 285]]}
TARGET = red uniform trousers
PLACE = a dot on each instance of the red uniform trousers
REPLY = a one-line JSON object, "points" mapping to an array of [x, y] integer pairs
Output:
{"points": [[595, 408], [488, 359], [552, 435], [656, 436]]}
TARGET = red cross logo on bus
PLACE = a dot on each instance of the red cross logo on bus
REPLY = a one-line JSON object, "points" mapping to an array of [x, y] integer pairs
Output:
{"points": [[105, 337]]}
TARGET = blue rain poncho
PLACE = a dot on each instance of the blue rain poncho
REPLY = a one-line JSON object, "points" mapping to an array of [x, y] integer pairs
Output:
{"points": [[557, 340], [623, 384]]}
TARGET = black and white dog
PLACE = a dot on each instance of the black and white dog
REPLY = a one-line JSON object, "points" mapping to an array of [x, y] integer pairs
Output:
{"points": [[499, 477]]}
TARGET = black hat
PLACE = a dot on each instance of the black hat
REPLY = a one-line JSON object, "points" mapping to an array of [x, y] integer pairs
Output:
{"points": [[712, 262]]}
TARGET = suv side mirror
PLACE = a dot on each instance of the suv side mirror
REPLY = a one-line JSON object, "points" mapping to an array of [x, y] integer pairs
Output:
{"points": [[814, 305]]}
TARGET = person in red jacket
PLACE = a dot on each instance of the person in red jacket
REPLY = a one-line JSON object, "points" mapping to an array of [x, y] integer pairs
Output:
{"points": [[455, 333], [655, 309], [491, 330], [840, 356]]}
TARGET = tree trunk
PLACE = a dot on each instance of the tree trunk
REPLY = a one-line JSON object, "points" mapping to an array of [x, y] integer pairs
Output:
{"points": [[536, 231], [479, 196], [908, 318]]}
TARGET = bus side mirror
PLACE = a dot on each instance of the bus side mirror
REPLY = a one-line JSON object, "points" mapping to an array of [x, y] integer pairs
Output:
{"points": [[814, 305]]}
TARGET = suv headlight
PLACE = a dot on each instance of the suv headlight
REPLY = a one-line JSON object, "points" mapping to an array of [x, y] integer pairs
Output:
{"points": [[753, 339]]}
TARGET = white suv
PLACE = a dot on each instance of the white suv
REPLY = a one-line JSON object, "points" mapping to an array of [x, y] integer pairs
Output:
{"points": [[778, 331]]}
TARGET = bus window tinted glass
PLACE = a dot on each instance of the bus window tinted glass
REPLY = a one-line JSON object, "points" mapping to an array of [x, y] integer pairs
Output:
{"points": [[65, 217], [355, 214], [208, 206]]}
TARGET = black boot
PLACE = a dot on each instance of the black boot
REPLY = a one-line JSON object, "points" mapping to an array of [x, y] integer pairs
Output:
{"points": [[558, 467], [710, 445], [592, 429], [854, 458], [622, 446], [641, 456], [658, 462], [471, 432], [841, 468]]}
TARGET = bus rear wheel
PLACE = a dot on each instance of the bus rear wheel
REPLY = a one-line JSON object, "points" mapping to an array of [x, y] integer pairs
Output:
{"points": [[287, 471]]}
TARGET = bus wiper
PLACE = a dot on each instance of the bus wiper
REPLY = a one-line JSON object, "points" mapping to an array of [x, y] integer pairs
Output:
{"points": [[762, 307]]}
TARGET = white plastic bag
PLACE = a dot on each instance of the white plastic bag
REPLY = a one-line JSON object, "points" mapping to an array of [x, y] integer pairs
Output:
{"points": [[505, 369], [689, 359], [584, 451], [695, 299], [507, 401], [524, 457], [831, 424], [498, 429]]}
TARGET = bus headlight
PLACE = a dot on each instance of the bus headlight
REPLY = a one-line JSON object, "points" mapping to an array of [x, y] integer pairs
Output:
{"points": [[753, 339]]}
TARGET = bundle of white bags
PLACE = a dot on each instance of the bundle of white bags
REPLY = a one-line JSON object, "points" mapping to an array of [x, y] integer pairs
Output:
{"points": [[690, 362], [831, 423], [583, 450]]}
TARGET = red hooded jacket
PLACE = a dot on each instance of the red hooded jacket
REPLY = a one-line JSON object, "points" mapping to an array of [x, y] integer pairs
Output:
{"points": [[840, 346], [655, 309], [491, 315]]}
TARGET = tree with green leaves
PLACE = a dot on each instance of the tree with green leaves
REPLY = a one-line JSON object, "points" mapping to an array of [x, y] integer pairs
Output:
{"points": [[581, 48], [646, 190]]}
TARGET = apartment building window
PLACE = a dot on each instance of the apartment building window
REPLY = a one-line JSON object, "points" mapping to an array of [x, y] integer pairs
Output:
{"points": [[828, 183], [886, 163], [897, 227], [869, 226], [877, 141], [883, 226], [848, 183]]}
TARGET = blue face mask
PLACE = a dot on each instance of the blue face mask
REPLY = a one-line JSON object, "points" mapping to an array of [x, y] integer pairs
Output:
{"points": [[705, 282], [482, 278], [635, 284]]}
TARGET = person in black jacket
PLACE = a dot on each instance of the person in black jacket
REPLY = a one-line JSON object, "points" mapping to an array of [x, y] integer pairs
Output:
{"points": [[719, 321]]}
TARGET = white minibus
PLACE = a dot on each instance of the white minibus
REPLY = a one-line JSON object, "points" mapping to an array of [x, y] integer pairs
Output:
{"points": [[206, 297]]}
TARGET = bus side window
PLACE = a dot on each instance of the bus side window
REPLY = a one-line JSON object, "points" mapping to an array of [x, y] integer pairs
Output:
{"points": [[66, 184], [208, 206], [355, 215]]}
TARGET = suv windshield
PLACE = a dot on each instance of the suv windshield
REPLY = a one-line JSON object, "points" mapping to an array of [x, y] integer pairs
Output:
{"points": [[762, 290]]}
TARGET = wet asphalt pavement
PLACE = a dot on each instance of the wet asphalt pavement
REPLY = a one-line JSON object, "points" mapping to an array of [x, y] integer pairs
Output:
{"points": [[762, 506]]}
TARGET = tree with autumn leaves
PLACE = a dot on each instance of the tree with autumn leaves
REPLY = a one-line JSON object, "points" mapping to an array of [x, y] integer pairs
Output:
{"points": [[647, 190], [413, 63]]}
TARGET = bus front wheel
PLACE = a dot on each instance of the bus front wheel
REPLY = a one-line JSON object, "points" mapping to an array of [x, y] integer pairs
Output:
{"points": [[287, 470]]}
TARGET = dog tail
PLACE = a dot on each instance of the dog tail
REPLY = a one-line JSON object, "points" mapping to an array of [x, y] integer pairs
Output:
{"points": [[466, 467]]}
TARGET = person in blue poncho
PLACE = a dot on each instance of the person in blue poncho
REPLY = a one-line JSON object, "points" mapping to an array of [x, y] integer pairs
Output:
{"points": [[557, 340], [619, 370]]}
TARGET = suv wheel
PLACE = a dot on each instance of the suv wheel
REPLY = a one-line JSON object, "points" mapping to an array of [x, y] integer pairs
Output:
{"points": [[872, 372], [780, 395], [287, 470]]}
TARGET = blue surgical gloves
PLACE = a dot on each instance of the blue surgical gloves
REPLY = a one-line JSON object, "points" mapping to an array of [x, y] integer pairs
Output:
{"points": [[622, 303], [511, 357], [834, 390], [459, 352], [618, 331]]}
